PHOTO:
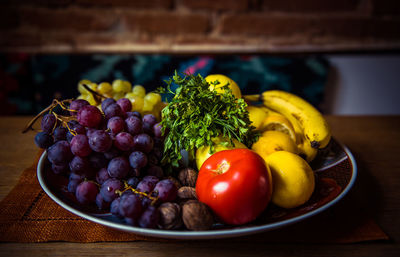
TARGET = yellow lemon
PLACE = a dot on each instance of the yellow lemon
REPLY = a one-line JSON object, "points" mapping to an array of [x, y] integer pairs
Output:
{"points": [[257, 114], [293, 179], [203, 152], [221, 81], [273, 141], [278, 122]]}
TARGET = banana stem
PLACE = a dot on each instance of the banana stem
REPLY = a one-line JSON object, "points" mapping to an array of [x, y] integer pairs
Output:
{"points": [[252, 98]]}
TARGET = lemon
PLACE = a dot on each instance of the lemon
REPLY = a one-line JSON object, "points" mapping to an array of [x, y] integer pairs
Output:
{"points": [[223, 80], [278, 122], [293, 179], [203, 152], [257, 114], [273, 141]]}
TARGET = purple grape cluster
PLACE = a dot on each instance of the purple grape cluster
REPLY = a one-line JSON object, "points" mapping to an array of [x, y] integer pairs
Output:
{"points": [[112, 159]]}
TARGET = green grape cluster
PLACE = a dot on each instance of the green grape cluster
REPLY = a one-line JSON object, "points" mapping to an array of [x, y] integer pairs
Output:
{"points": [[142, 101]]}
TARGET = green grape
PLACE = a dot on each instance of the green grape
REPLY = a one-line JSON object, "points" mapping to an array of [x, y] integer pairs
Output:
{"points": [[139, 90], [81, 89], [137, 101], [127, 86], [148, 106], [117, 85], [121, 86], [90, 99], [153, 98], [104, 88], [118, 95]]}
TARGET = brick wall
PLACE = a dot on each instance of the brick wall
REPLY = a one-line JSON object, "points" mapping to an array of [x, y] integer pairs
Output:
{"points": [[195, 26]]}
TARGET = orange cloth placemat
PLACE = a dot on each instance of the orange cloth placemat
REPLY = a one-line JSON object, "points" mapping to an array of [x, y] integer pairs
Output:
{"points": [[27, 214]]}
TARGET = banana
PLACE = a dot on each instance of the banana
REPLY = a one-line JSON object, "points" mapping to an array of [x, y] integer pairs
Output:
{"points": [[310, 121]]}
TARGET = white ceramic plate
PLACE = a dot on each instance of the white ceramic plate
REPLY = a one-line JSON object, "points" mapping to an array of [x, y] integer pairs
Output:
{"points": [[337, 155]]}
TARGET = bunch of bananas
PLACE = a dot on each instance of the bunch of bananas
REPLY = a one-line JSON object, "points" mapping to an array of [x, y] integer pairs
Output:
{"points": [[299, 120]]}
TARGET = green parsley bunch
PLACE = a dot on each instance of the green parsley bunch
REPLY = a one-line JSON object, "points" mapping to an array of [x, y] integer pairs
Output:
{"points": [[196, 114]]}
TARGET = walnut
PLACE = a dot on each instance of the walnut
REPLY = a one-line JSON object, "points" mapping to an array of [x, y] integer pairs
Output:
{"points": [[196, 215], [170, 216], [187, 193], [188, 177]]}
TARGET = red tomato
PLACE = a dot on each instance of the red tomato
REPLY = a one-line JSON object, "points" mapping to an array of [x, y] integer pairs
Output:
{"points": [[235, 184]]}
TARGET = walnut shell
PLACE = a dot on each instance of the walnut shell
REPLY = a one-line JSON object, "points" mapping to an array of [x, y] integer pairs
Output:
{"points": [[187, 193], [188, 177], [196, 215], [170, 216]]}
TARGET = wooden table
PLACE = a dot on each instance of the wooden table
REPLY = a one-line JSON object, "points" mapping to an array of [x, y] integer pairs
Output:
{"points": [[374, 140]]}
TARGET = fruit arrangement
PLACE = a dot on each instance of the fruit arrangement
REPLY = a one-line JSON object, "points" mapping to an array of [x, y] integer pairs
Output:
{"points": [[208, 156]]}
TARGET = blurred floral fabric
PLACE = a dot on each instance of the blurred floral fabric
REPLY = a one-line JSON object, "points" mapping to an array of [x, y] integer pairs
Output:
{"points": [[28, 83]]}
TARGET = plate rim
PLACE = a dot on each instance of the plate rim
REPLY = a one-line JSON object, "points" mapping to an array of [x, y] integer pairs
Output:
{"points": [[208, 234]]}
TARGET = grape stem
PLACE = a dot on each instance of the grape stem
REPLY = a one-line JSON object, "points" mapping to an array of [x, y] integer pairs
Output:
{"points": [[128, 187], [49, 108], [95, 94]]}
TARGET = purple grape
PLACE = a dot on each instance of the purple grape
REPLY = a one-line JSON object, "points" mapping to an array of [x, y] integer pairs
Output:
{"points": [[149, 218], [60, 133], [154, 179], [70, 136], [97, 160], [59, 169], [118, 167], [146, 202], [112, 153], [113, 110], [145, 186], [75, 176], [133, 125], [152, 159], [157, 130], [126, 193], [143, 142], [48, 123], [123, 141], [89, 131], [45, 140], [137, 159], [80, 165], [135, 113], [101, 204], [60, 153], [114, 207], [102, 176], [80, 145], [157, 152], [100, 141], [133, 182], [149, 120], [156, 171], [76, 105], [72, 123], [130, 206], [79, 129], [116, 125], [86, 192], [109, 187], [130, 221], [125, 104], [166, 190], [106, 102], [89, 116], [73, 184]]}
